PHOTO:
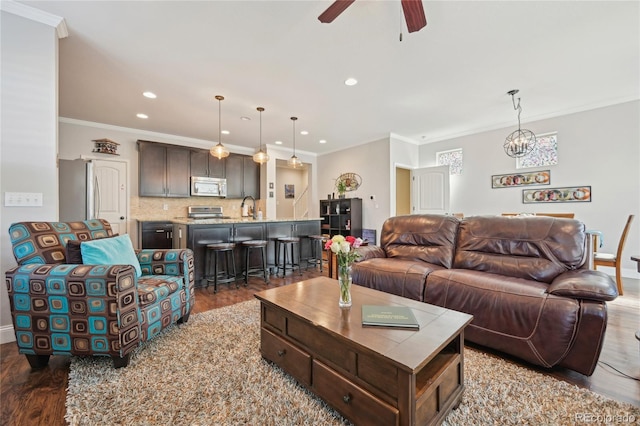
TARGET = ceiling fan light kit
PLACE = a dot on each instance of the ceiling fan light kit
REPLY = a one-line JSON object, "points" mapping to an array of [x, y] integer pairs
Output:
{"points": [[413, 13], [261, 156], [219, 151], [522, 141]]}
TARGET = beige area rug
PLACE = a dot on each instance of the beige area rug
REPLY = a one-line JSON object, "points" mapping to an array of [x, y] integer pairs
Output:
{"points": [[209, 372]]}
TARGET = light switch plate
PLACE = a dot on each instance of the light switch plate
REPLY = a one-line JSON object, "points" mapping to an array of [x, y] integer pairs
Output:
{"points": [[23, 199]]}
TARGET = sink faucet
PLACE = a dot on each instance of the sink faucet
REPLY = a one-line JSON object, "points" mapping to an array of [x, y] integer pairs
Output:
{"points": [[254, 204]]}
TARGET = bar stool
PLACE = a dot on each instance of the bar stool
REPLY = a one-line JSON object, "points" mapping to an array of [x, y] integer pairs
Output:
{"points": [[317, 248], [255, 272], [222, 277], [287, 243]]}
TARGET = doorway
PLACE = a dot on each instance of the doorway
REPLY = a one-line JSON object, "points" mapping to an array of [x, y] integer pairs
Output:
{"points": [[403, 191], [292, 191]]}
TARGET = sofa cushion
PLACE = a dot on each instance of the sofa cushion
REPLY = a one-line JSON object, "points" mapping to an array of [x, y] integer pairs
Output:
{"points": [[110, 251], [532, 248], [512, 315], [405, 278], [426, 238], [73, 254]]}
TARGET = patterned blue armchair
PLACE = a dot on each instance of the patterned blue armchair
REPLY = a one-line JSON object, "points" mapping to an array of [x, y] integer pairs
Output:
{"points": [[75, 309]]}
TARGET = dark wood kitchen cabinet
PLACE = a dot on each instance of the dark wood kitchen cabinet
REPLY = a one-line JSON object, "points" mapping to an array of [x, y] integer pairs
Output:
{"points": [[205, 164], [155, 235], [243, 176], [164, 170]]}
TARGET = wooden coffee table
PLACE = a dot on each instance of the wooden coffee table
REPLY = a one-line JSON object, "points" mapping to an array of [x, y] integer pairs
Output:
{"points": [[371, 375]]}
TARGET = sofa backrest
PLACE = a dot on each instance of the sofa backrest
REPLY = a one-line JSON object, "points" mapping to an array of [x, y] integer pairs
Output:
{"points": [[429, 238], [535, 247], [45, 242]]}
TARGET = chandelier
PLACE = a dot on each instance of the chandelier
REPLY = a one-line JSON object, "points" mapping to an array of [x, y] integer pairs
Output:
{"points": [[522, 141]]}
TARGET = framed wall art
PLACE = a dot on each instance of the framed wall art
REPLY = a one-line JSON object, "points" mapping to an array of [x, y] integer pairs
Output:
{"points": [[542, 177], [568, 194], [289, 191]]}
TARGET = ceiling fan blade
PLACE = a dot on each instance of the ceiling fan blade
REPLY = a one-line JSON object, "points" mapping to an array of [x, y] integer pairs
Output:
{"points": [[334, 10], [414, 15]]}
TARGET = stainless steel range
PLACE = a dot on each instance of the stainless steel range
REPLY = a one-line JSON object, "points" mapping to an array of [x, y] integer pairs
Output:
{"points": [[206, 212]]}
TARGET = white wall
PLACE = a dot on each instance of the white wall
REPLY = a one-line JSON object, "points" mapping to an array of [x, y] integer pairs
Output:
{"points": [[372, 161], [600, 148], [28, 142]]}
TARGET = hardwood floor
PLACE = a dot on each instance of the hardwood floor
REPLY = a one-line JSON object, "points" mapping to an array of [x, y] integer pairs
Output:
{"points": [[37, 397]]}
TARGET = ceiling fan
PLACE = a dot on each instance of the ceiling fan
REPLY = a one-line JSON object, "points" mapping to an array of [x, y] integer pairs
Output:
{"points": [[413, 13]]}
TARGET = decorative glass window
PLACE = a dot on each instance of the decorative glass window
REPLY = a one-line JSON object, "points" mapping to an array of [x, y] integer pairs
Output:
{"points": [[452, 158], [545, 152]]}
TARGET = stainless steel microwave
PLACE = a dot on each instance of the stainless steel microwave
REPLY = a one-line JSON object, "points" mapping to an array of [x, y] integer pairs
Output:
{"points": [[208, 187]]}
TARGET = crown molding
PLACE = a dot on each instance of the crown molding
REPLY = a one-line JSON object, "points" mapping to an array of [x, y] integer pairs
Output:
{"points": [[160, 137], [37, 15]]}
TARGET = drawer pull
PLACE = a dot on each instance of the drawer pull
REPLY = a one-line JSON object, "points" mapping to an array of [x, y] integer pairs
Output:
{"points": [[282, 352], [347, 398]]}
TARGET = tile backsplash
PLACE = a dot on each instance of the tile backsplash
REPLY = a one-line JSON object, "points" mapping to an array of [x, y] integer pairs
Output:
{"points": [[156, 208]]}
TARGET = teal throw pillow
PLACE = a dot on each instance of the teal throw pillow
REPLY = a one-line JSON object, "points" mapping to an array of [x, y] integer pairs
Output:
{"points": [[110, 251]]}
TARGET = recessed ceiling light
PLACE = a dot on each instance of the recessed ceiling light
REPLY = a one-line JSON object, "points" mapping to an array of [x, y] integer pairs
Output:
{"points": [[142, 115], [304, 132], [244, 118], [225, 132], [322, 141], [278, 142], [351, 82], [149, 95]]}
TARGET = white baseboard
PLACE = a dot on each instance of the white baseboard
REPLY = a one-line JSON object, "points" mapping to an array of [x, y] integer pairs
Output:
{"points": [[6, 334]]}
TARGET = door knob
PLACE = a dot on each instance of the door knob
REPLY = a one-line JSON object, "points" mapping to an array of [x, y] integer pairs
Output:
{"points": [[121, 217]]}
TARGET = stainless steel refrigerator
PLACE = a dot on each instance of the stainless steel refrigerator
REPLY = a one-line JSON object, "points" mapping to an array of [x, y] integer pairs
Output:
{"points": [[78, 191]]}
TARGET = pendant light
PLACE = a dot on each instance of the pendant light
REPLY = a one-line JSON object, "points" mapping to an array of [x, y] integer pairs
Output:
{"points": [[219, 151], [261, 156], [522, 141], [294, 161]]}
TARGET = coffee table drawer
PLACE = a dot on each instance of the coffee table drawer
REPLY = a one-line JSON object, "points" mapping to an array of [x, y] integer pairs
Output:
{"points": [[355, 403], [291, 359]]}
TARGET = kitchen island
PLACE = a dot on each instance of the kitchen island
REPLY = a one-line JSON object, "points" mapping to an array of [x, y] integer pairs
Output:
{"points": [[195, 234]]}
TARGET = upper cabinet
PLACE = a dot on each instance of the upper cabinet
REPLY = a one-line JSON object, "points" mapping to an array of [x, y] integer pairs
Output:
{"points": [[205, 164], [243, 176], [165, 170]]}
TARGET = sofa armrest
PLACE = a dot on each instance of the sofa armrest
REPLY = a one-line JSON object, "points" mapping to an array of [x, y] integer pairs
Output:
{"points": [[369, 252], [74, 309], [178, 262], [164, 261], [584, 284]]}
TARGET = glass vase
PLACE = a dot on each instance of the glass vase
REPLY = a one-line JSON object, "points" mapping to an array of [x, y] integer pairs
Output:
{"points": [[344, 280]]}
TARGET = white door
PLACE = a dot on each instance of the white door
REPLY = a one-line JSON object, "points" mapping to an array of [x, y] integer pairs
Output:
{"points": [[111, 193], [430, 190]]}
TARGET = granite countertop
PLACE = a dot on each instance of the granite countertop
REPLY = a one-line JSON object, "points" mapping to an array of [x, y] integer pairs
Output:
{"points": [[232, 220]]}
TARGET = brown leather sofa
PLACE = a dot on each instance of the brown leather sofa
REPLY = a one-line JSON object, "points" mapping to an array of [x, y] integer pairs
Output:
{"points": [[524, 279]]}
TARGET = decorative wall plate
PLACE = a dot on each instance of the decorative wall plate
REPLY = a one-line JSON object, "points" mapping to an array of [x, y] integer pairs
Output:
{"points": [[351, 180]]}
